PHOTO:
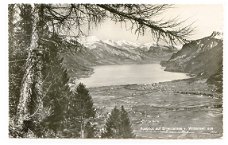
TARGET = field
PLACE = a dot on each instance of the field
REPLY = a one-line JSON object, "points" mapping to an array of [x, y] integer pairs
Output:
{"points": [[178, 109]]}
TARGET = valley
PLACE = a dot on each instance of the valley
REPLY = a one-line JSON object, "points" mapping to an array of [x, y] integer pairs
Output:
{"points": [[176, 104], [174, 109]]}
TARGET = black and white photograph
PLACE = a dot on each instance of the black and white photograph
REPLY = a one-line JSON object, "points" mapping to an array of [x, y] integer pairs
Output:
{"points": [[115, 71]]}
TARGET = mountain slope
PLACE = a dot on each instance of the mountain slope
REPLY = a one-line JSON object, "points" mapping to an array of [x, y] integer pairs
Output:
{"points": [[202, 57], [217, 79]]}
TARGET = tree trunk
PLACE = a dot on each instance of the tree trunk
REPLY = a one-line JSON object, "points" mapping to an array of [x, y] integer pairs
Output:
{"points": [[82, 128], [30, 102]]}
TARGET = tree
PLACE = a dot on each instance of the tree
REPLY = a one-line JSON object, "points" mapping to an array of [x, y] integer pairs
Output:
{"points": [[86, 109], [54, 85], [45, 21], [112, 125], [30, 102], [125, 130], [118, 125], [81, 111], [19, 40], [56, 91]]}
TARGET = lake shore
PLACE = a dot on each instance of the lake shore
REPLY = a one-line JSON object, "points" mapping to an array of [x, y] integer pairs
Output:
{"points": [[187, 108], [108, 75]]}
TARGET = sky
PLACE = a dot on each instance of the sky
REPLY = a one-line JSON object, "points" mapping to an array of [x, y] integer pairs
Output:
{"points": [[206, 19]]}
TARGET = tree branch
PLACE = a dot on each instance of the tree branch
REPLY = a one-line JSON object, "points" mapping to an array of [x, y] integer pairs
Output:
{"points": [[168, 30]]}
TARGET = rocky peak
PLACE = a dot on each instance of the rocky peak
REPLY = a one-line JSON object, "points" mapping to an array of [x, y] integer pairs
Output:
{"points": [[217, 35]]}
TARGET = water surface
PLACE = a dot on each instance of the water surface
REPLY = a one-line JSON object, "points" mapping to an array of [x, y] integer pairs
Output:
{"points": [[108, 75]]}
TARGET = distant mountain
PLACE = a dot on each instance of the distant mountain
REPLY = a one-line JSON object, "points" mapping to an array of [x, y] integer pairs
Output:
{"points": [[202, 57], [112, 52], [91, 42]]}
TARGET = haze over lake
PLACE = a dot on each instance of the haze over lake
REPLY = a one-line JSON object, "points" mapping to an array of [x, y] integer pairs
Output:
{"points": [[108, 75]]}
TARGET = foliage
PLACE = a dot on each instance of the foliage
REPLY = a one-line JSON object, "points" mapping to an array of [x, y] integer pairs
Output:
{"points": [[90, 130], [118, 125], [80, 112]]}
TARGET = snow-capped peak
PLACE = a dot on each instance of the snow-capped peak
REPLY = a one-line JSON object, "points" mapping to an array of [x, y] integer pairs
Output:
{"points": [[110, 42], [149, 44], [89, 41], [146, 46], [92, 42], [92, 39], [124, 42]]}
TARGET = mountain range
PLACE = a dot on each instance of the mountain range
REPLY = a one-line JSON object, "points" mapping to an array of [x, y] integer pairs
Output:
{"points": [[112, 52], [202, 57], [104, 52]]}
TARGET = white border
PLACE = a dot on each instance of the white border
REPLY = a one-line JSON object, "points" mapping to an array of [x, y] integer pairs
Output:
{"points": [[4, 140]]}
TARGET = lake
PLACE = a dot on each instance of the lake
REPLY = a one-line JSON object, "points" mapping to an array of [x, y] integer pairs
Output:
{"points": [[107, 75]]}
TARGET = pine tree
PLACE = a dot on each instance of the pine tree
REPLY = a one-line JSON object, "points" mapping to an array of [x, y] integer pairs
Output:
{"points": [[125, 129], [30, 106], [72, 117], [80, 111], [86, 109], [19, 40], [20, 29], [112, 125], [86, 103], [54, 87], [118, 125]]}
